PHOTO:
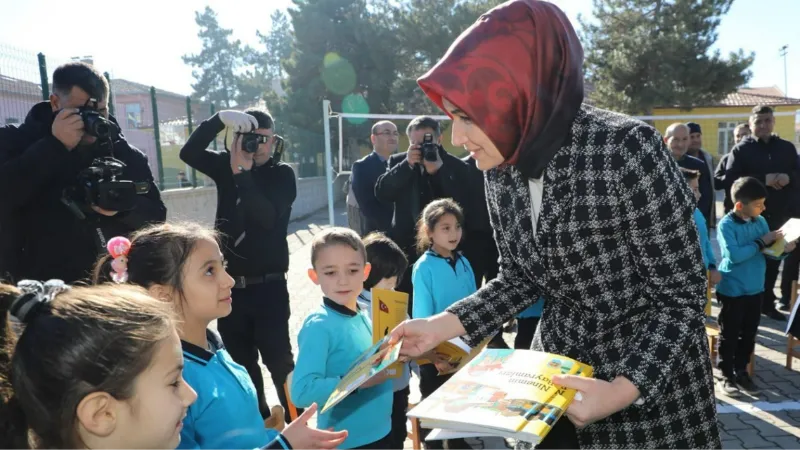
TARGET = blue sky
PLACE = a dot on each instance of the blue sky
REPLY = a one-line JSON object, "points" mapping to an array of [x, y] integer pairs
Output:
{"points": [[144, 40]]}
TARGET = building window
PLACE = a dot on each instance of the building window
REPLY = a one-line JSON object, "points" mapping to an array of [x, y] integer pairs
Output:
{"points": [[725, 137], [133, 115]]}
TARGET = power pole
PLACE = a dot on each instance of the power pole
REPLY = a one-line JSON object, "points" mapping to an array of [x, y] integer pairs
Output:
{"points": [[784, 51]]}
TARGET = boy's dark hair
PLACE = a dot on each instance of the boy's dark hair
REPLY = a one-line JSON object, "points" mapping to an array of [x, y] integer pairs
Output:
{"points": [[748, 189], [82, 75], [386, 258], [431, 216], [689, 174], [158, 255], [425, 122], [336, 236], [85, 340], [761, 109], [264, 118]]}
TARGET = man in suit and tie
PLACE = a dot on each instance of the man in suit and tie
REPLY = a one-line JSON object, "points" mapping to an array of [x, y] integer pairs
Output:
{"points": [[373, 214]]}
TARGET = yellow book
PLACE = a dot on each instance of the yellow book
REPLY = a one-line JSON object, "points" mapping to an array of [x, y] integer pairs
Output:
{"points": [[502, 392], [389, 309], [457, 354]]}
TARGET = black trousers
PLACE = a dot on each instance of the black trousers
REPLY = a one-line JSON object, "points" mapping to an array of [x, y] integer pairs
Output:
{"points": [[406, 285], [383, 443], [562, 436], [738, 326], [791, 267], [259, 322], [399, 420], [481, 252], [526, 328]]}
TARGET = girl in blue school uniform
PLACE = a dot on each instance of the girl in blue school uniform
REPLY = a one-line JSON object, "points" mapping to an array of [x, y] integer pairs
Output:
{"points": [[183, 264], [441, 277]]}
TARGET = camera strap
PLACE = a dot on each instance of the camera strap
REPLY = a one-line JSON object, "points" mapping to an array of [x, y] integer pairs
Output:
{"points": [[100, 239]]}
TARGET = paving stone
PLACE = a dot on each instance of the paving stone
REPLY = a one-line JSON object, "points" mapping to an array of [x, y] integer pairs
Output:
{"points": [[731, 423], [751, 439], [785, 442], [732, 444]]}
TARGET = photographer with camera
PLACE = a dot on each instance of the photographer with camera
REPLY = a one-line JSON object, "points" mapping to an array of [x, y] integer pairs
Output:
{"points": [[413, 179], [69, 180], [255, 192]]}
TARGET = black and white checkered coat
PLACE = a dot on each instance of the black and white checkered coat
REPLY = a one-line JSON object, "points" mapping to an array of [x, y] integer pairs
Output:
{"points": [[617, 257]]}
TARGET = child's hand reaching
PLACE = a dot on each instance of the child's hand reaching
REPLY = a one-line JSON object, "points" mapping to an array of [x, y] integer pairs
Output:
{"points": [[300, 435]]}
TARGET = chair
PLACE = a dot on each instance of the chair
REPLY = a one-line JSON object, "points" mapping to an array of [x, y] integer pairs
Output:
{"points": [[791, 341], [414, 434]]}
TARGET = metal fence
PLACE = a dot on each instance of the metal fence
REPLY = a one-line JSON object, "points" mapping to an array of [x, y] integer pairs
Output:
{"points": [[155, 121]]}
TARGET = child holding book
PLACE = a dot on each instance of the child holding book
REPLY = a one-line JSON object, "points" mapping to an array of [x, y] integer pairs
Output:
{"points": [[388, 264], [183, 265], [441, 277], [333, 337], [743, 235], [692, 177]]}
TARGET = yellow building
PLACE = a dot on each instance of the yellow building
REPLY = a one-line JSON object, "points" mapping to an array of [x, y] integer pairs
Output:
{"points": [[718, 121]]}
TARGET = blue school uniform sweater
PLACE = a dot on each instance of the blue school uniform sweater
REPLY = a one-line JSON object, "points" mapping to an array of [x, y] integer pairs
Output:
{"points": [[535, 310], [226, 413], [709, 261], [330, 340], [743, 263], [439, 282]]}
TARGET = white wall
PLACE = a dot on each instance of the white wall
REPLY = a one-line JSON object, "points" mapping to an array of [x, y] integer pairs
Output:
{"points": [[200, 205]]}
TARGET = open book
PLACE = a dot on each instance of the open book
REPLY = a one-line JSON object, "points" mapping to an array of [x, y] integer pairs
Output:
{"points": [[501, 392], [376, 359], [791, 232], [457, 354]]}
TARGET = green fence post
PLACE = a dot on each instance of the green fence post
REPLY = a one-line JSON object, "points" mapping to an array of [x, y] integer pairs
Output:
{"points": [[43, 76], [111, 108], [214, 111], [157, 135], [191, 129]]}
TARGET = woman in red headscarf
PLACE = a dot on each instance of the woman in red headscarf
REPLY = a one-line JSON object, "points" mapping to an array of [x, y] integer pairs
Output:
{"points": [[589, 212]]}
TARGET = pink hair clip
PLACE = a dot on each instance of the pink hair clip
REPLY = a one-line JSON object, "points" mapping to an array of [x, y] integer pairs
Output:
{"points": [[118, 248]]}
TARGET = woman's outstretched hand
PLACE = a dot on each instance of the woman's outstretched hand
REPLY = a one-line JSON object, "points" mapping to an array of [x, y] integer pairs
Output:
{"points": [[420, 336]]}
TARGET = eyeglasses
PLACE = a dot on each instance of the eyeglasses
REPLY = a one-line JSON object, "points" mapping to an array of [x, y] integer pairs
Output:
{"points": [[388, 133]]}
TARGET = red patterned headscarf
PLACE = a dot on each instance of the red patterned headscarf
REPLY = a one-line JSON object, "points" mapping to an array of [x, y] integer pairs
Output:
{"points": [[517, 73]]}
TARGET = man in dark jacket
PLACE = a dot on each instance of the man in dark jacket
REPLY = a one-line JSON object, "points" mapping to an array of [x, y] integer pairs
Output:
{"points": [[54, 230], [677, 140], [376, 215], [696, 150], [411, 182], [773, 161]]}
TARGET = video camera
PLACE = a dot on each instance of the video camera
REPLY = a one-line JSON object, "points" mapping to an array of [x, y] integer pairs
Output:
{"points": [[98, 185], [429, 149]]}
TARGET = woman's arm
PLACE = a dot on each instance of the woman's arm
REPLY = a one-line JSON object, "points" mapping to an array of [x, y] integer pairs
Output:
{"points": [[656, 206], [498, 301]]}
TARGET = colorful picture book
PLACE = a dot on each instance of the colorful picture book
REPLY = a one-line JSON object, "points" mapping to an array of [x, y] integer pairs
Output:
{"points": [[791, 232], [501, 392], [456, 353], [376, 359]]}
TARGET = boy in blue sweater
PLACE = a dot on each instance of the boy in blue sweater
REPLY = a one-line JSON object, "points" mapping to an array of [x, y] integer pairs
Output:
{"points": [[743, 235], [709, 260], [333, 337], [388, 263]]}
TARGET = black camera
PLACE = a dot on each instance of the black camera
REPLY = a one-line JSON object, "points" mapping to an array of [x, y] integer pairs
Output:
{"points": [[98, 185], [429, 149], [251, 141], [96, 125]]}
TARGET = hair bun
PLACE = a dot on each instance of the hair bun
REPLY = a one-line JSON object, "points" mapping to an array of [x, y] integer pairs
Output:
{"points": [[35, 296]]}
